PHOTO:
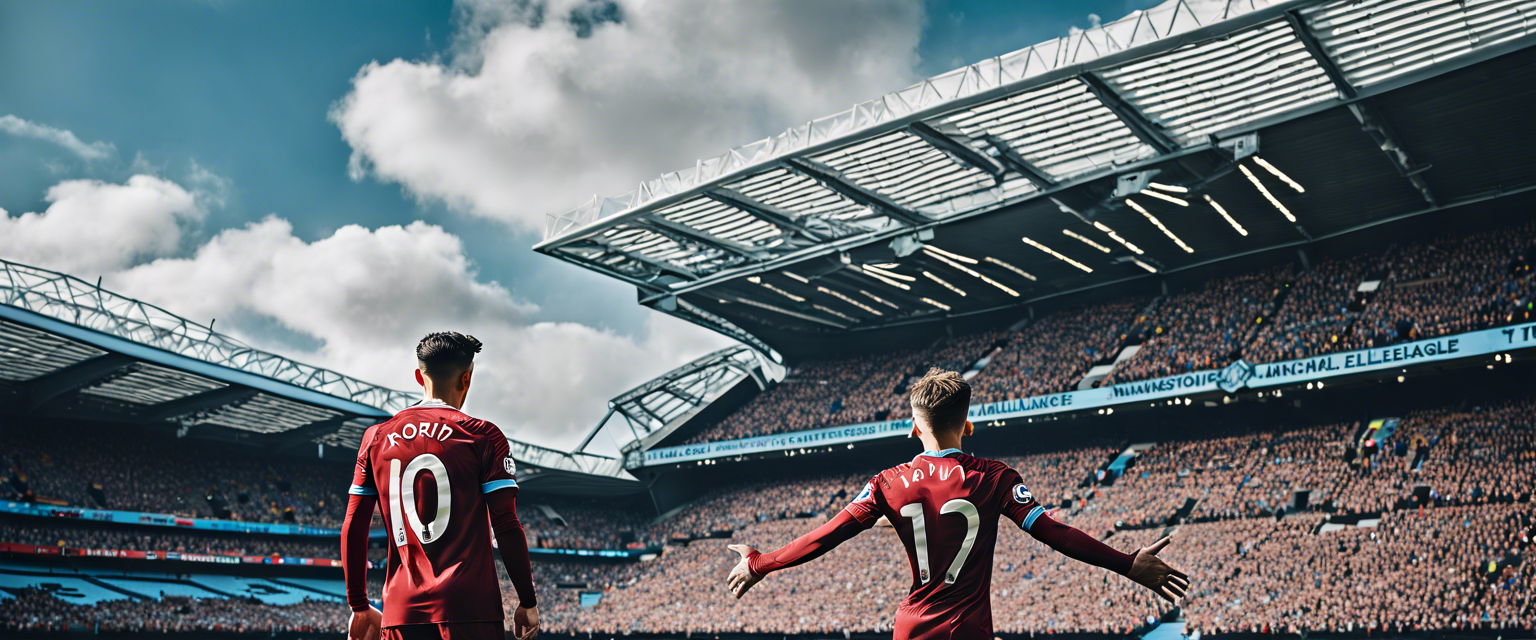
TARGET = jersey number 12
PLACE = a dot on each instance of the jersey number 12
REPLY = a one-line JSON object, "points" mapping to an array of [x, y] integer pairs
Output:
{"points": [[914, 511]]}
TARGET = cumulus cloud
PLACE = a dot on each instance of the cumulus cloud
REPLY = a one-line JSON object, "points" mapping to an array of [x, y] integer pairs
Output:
{"points": [[92, 227], [539, 106], [18, 127], [365, 296]]}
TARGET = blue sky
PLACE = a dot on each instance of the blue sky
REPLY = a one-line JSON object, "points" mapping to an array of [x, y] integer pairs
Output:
{"points": [[271, 111]]}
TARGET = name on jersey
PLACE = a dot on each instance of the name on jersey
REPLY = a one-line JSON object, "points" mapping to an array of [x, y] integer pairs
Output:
{"points": [[435, 430], [941, 471]]}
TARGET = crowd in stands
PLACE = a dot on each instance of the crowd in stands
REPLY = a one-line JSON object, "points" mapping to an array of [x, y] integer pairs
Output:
{"points": [[846, 391], [1450, 555], [1053, 354], [95, 473], [1410, 291], [1201, 330]]}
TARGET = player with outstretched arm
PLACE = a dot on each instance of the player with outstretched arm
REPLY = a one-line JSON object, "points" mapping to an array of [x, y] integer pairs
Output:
{"points": [[944, 505], [446, 483]]}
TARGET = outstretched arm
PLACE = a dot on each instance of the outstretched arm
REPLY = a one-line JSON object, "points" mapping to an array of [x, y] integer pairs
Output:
{"points": [[513, 543], [755, 566], [354, 567], [1143, 567]]}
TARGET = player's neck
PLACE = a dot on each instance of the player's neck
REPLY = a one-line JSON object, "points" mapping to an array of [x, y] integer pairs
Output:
{"points": [[940, 442], [455, 400]]}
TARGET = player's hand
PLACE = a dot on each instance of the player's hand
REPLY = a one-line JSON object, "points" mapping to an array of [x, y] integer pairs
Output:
{"points": [[1151, 572], [741, 578], [365, 625], [525, 623]]}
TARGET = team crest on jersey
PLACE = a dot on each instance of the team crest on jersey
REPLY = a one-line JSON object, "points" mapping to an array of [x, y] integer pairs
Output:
{"points": [[869, 490], [1022, 495], [509, 465]]}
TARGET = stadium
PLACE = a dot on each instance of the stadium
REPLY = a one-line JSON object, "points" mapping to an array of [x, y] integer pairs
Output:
{"points": [[1256, 276]]}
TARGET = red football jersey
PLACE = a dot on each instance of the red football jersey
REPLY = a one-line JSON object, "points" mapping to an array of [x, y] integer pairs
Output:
{"points": [[431, 465], [945, 506]]}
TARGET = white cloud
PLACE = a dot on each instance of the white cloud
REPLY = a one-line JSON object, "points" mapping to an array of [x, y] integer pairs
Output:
{"points": [[92, 227], [529, 117], [366, 296], [26, 129]]}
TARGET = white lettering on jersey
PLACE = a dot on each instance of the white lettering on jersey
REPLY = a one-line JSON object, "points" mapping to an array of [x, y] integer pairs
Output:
{"points": [[436, 430]]}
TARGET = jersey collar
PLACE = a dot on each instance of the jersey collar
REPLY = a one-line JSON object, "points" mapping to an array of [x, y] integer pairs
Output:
{"points": [[429, 403], [941, 454]]}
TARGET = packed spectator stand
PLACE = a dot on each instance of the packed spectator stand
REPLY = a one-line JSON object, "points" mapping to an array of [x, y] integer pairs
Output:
{"points": [[1439, 508], [1409, 291]]}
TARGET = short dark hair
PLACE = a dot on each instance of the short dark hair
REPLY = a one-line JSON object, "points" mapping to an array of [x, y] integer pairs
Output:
{"points": [[942, 398], [445, 354]]}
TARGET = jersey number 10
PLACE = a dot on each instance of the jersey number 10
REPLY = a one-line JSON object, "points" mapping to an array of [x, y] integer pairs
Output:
{"points": [[402, 497], [914, 511]]}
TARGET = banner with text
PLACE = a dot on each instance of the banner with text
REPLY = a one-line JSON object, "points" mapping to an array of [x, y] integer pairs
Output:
{"points": [[1235, 376]]}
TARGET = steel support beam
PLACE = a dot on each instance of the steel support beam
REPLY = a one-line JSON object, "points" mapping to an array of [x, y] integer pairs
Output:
{"points": [[658, 265], [668, 227], [833, 180], [42, 389], [781, 218], [1330, 68], [205, 401], [956, 146], [1018, 164], [1380, 130], [1134, 119], [309, 432]]}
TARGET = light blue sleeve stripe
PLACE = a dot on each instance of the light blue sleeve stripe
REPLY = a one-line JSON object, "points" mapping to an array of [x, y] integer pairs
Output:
{"points": [[497, 484], [358, 490], [1036, 512]]}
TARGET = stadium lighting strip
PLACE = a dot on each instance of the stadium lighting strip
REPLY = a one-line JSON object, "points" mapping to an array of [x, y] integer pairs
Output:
{"points": [[1267, 195], [971, 272], [791, 296], [1283, 178], [887, 274], [849, 300], [835, 313], [872, 274], [937, 252], [1159, 223], [764, 305], [1168, 187], [879, 299], [794, 276], [1116, 237], [947, 285], [1148, 267], [1165, 197], [1217, 206], [1086, 240], [936, 303], [1009, 267], [1058, 256]]}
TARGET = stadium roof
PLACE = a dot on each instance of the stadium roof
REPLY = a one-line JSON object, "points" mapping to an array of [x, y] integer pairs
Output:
{"points": [[1169, 140], [70, 349], [73, 350], [647, 414]]}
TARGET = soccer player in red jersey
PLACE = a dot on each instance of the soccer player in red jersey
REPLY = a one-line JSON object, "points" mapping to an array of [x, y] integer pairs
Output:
{"points": [[446, 482], [944, 505]]}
